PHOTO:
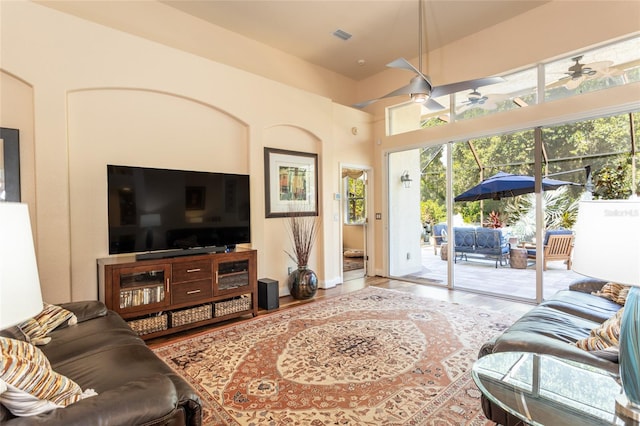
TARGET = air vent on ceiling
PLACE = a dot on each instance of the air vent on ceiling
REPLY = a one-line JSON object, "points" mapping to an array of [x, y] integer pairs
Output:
{"points": [[343, 35]]}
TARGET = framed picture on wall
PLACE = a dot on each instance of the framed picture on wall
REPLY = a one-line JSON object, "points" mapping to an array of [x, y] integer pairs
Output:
{"points": [[9, 164], [291, 183]]}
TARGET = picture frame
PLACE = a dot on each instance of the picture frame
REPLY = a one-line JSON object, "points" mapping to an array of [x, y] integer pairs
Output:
{"points": [[9, 164], [291, 183]]}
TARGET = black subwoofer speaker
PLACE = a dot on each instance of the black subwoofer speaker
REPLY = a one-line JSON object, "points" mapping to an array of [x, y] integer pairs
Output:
{"points": [[268, 294]]}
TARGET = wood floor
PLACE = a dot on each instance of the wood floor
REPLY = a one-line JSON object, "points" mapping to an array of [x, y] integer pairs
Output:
{"points": [[434, 292]]}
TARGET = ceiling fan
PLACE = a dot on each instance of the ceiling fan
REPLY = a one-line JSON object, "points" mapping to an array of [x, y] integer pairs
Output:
{"points": [[579, 72], [420, 88], [475, 99]]}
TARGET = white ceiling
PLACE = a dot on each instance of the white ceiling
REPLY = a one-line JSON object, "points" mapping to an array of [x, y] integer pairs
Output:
{"points": [[382, 30]]}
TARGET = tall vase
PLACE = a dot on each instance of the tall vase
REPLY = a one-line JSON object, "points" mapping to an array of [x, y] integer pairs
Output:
{"points": [[303, 283]]}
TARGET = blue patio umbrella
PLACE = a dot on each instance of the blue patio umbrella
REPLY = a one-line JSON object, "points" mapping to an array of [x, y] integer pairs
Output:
{"points": [[504, 184]]}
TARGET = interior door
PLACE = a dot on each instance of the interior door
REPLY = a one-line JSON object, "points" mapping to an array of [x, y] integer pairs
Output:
{"points": [[354, 223]]}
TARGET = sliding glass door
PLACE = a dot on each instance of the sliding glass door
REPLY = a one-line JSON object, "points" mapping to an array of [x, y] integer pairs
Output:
{"points": [[502, 243], [492, 223]]}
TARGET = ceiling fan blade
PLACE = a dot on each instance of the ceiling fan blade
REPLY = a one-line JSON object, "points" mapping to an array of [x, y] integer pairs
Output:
{"points": [[448, 89], [402, 63], [364, 104], [558, 83], [432, 104], [628, 65], [405, 90], [599, 66], [574, 83]]}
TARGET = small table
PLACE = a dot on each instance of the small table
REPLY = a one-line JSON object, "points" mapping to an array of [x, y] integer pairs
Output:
{"points": [[518, 258], [545, 390]]}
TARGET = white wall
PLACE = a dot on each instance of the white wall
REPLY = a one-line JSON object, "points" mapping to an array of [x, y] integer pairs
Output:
{"points": [[353, 237], [105, 97], [404, 223]]}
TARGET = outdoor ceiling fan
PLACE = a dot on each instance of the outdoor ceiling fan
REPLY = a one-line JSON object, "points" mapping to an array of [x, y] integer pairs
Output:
{"points": [[579, 72], [420, 88], [475, 99]]}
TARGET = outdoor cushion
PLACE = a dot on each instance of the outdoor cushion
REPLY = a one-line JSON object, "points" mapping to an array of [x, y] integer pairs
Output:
{"points": [[487, 238], [465, 238], [438, 228], [548, 233]]}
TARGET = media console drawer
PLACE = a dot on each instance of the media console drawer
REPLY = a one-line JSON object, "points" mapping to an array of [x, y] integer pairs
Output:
{"points": [[191, 291], [191, 271]]}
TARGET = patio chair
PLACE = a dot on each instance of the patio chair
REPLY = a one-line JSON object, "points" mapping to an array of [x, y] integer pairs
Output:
{"points": [[558, 245], [439, 236]]}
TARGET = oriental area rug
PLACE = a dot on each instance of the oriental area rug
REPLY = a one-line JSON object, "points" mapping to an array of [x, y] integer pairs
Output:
{"points": [[372, 357]]}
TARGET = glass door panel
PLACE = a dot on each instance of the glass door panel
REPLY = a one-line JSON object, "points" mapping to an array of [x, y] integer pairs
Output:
{"points": [[497, 224], [433, 214]]}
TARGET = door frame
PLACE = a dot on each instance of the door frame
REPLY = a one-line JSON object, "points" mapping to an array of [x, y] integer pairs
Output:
{"points": [[368, 231]]}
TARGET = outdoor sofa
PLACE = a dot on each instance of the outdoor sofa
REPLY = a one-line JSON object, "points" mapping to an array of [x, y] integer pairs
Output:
{"points": [[482, 242], [133, 385]]}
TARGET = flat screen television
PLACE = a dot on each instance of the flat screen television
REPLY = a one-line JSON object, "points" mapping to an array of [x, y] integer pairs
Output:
{"points": [[164, 213]]}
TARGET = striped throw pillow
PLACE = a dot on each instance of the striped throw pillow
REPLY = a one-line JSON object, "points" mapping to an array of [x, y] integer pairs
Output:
{"points": [[615, 292], [32, 387], [604, 336], [37, 328]]}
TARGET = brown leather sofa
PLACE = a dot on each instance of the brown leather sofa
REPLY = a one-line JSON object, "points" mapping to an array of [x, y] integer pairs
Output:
{"points": [[134, 386], [551, 328]]}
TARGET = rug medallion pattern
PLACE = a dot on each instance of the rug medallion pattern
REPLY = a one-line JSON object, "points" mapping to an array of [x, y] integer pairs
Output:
{"points": [[373, 357]]}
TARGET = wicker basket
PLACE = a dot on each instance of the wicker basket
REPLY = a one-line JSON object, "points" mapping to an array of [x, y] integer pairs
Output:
{"points": [[149, 325], [228, 307], [187, 316]]}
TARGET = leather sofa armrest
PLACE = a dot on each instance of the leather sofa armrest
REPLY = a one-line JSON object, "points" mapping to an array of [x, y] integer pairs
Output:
{"points": [[86, 310], [144, 401], [587, 285]]}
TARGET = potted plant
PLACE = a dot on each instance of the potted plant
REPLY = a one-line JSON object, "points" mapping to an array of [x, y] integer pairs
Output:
{"points": [[493, 221], [303, 232]]}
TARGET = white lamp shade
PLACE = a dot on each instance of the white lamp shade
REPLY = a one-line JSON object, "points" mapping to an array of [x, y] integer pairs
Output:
{"points": [[20, 296], [607, 241]]}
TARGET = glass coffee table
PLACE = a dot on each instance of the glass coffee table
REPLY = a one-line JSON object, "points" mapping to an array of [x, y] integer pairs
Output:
{"points": [[545, 390]]}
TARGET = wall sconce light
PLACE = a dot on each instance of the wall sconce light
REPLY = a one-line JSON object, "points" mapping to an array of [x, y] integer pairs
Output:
{"points": [[406, 179]]}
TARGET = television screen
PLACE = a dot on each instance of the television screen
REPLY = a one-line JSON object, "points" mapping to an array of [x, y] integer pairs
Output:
{"points": [[159, 209]]}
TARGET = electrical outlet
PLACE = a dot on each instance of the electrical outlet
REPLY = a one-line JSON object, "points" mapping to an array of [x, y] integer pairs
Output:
{"points": [[378, 216]]}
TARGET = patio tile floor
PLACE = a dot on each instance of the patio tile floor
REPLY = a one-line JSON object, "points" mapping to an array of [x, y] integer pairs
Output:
{"points": [[481, 275]]}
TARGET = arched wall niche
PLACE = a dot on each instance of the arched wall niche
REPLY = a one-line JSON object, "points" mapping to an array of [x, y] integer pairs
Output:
{"points": [[276, 236], [136, 127]]}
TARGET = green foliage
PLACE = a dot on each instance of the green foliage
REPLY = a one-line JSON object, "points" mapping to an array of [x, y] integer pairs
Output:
{"points": [[470, 212], [431, 211], [601, 143], [355, 200], [560, 211], [613, 183]]}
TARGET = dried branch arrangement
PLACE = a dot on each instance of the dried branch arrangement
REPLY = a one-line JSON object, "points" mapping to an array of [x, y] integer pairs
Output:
{"points": [[303, 232]]}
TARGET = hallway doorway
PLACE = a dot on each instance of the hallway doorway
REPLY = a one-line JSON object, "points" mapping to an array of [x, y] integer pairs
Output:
{"points": [[354, 222]]}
